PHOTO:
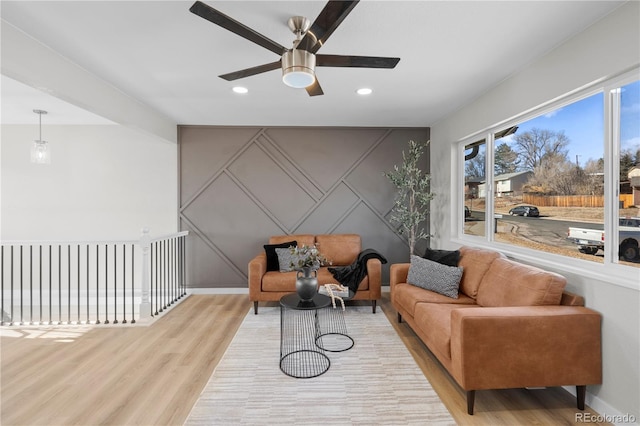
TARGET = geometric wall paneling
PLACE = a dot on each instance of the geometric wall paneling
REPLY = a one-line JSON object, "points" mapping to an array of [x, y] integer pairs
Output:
{"points": [[290, 166], [282, 196], [334, 206], [205, 157], [376, 233], [247, 183], [375, 187], [205, 262], [325, 154], [222, 212]]}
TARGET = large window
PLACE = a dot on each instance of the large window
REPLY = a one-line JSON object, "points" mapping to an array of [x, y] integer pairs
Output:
{"points": [[547, 189], [628, 104], [474, 190]]}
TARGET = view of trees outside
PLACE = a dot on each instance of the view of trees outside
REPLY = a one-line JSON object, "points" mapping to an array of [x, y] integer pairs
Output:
{"points": [[554, 162], [474, 175], [564, 149]]}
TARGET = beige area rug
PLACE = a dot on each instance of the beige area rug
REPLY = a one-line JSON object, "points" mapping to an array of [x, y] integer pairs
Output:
{"points": [[376, 382]]}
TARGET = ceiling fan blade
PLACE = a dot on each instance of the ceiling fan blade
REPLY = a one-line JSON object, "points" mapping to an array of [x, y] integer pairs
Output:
{"points": [[212, 15], [325, 24], [314, 89], [251, 71], [356, 61]]}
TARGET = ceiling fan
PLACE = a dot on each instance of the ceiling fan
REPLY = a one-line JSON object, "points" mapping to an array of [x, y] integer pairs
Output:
{"points": [[298, 63]]}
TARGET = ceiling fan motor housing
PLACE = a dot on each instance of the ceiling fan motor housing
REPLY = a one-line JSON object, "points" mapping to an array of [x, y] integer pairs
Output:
{"points": [[298, 68]]}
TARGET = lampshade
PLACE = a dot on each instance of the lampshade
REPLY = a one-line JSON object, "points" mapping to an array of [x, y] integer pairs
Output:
{"points": [[298, 68], [40, 150]]}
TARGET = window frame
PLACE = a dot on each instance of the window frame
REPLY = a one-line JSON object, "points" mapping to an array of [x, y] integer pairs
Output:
{"points": [[610, 270]]}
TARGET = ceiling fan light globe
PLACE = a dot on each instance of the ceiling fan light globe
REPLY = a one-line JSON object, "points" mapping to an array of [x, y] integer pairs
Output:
{"points": [[298, 79], [298, 68]]}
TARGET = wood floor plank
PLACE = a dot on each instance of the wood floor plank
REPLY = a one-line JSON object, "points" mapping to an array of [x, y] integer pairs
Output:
{"points": [[132, 375]]}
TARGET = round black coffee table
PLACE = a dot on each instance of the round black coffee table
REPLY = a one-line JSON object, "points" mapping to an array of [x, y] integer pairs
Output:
{"points": [[301, 353]]}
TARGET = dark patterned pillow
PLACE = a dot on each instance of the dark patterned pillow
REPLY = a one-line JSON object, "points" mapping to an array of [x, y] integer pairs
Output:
{"points": [[272, 258], [435, 276], [446, 257]]}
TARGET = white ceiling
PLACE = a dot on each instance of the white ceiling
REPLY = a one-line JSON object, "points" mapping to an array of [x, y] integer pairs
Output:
{"points": [[169, 59]]}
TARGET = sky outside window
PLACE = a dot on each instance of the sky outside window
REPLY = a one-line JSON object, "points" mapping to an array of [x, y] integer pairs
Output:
{"points": [[630, 117], [582, 122]]}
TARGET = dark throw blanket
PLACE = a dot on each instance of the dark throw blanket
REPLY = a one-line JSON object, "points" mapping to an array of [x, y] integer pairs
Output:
{"points": [[351, 275]]}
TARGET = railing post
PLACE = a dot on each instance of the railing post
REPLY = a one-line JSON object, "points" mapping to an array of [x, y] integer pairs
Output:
{"points": [[145, 304]]}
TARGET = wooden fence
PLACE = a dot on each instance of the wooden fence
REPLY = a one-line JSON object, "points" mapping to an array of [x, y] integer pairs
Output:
{"points": [[626, 200]]}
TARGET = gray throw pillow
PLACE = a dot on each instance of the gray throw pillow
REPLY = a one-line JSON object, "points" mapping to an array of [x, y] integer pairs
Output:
{"points": [[435, 276], [285, 258]]}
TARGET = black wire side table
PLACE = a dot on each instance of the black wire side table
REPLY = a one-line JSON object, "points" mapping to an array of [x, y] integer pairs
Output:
{"points": [[333, 328], [301, 353]]}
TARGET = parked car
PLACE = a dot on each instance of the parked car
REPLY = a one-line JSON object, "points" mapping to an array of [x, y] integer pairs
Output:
{"points": [[467, 212], [525, 211]]}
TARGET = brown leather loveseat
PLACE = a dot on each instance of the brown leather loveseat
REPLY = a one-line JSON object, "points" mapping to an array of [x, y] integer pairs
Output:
{"points": [[512, 326], [340, 249]]}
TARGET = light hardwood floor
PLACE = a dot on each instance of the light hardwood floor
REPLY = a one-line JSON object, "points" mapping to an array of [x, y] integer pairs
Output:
{"points": [[153, 375]]}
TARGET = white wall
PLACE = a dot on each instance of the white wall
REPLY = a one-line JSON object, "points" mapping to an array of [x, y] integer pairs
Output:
{"points": [[607, 48], [104, 183]]}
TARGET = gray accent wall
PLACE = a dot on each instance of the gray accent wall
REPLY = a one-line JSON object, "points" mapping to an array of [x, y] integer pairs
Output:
{"points": [[240, 185]]}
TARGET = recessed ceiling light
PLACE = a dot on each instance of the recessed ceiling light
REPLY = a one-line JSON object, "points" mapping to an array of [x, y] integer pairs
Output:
{"points": [[240, 89], [364, 91]]}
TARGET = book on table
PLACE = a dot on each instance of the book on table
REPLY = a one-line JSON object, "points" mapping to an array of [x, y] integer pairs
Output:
{"points": [[336, 289]]}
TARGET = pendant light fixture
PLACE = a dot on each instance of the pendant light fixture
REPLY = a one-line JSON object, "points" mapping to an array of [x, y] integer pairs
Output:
{"points": [[40, 150]]}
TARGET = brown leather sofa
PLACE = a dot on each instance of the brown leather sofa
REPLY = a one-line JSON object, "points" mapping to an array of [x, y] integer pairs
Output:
{"points": [[512, 326], [340, 249]]}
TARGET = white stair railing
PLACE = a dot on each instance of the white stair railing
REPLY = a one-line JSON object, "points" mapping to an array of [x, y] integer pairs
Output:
{"points": [[90, 282]]}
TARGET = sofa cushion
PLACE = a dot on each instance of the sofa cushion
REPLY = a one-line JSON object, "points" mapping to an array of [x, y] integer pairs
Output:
{"points": [[446, 257], [476, 263], [272, 257], [339, 249], [509, 283], [571, 299], [408, 296], [286, 281], [434, 276], [279, 281]]}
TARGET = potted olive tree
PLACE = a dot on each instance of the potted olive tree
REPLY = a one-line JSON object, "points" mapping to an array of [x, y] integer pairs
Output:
{"points": [[411, 206]]}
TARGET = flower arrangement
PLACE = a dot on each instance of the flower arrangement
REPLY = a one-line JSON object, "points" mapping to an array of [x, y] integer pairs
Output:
{"points": [[307, 257]]}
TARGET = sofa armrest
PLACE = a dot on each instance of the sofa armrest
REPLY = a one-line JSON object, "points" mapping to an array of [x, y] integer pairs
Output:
{"points": [[374, 272], [511, 347], [398, 273], [257, 268]]}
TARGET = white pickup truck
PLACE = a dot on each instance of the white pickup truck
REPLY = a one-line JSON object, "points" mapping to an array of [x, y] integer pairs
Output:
{"points": [[590, 240]]}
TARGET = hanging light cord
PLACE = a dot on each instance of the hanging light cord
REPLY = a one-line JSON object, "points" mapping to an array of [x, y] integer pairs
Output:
{"points": [[40, 112]]}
